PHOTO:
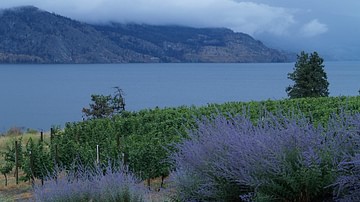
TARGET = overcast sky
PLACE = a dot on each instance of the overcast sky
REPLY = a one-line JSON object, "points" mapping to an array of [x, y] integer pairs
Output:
{"points": [[331, 27]]}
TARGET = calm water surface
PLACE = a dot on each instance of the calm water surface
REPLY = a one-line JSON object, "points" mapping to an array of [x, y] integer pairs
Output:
{"points": [[38, 96]]}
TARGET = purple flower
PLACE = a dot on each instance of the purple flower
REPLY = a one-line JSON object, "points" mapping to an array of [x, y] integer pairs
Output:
{"points": [[91, 184], [280, 157]]}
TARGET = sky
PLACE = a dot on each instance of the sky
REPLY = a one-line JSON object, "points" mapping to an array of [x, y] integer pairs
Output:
{"points": [[330, 27]]}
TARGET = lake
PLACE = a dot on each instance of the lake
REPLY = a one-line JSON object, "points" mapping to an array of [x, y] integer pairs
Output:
{"points": [[39, 96]]}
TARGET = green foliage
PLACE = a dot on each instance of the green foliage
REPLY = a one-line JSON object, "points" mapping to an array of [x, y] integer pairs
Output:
{"points": [[34, 160], [309, 77], [5, 169], [300, 182], [9, 154], [105, 106], [146, 137], [37, 160]]}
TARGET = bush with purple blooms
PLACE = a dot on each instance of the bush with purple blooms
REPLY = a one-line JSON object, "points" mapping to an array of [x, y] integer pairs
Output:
{"points": [[348, 184], [278, 159], [101, 183]]}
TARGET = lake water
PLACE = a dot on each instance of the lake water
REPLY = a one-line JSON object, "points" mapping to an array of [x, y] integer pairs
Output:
{"points": [[38, 96]]}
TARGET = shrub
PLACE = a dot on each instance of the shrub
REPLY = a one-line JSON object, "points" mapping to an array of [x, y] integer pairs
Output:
{"points": [[348, 184], [279, 159], [102, 183]]}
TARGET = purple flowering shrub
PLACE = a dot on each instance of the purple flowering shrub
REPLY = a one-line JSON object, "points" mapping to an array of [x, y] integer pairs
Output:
{"points": [[91, 184], [277, 159], [347, 185]]}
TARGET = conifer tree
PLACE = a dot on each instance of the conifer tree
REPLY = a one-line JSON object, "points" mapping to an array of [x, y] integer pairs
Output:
{"points": [[309, 77]]}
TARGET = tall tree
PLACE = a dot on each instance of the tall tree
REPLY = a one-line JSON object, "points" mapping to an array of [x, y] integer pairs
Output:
{"points": [[309, 77]]}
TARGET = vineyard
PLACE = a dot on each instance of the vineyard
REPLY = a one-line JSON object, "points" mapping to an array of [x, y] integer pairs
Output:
{"points": [[144, 140]]}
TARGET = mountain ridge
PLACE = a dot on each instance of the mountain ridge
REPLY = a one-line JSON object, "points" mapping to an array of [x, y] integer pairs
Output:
{"points": [[31, 35]]}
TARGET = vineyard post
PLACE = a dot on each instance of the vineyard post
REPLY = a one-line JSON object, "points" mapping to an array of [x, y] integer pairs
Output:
{"points": [[41, 136], [97, 154], [16, 162]]}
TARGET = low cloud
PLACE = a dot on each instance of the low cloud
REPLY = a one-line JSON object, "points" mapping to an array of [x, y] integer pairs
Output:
{"points": [[249, 17], [313, 28]]}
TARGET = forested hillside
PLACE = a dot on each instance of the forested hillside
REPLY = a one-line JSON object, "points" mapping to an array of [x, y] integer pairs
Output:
{"points": [[31, 35]]}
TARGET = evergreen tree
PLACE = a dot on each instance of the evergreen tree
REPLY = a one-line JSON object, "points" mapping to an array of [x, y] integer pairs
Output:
{"points": [[309, 77]]}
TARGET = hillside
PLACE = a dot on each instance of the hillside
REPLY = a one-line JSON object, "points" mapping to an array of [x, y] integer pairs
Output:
{"points": [[30, 35]]}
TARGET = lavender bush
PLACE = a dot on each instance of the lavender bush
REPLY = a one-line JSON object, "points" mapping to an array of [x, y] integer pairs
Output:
{"points": [[348, 184], [278, 159], [91, 184]]}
